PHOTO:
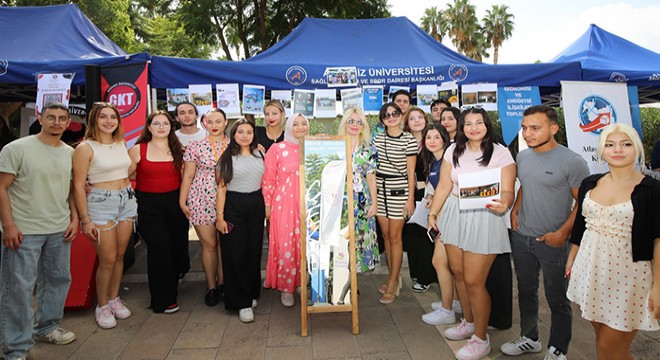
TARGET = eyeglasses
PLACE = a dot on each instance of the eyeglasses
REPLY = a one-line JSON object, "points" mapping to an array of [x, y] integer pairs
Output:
{"points": [[393, 114], [53, 119], [353, 122]]}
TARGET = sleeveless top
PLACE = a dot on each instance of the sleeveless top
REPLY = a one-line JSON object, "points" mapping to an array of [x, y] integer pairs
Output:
{"points": [[110, 162], [156, 176]]}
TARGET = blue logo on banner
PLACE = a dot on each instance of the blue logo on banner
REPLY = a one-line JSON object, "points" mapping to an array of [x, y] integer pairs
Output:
{"points": [[458, 72], [595, 113], [296, 75], [618, 77], [4, 64]]}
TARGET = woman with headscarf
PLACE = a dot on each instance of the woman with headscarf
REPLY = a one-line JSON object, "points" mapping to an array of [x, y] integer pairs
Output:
{"points": [[281, 190]]}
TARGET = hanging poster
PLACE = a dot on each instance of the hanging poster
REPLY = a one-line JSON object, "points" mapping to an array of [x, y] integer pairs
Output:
{"points": [[228, 99], [253, 99], [351, 98], [176, 96], [511, 104], [588, 108], [126, 87], [341, 76], [303, 102], [395, 88], [372, 99], [202, 96], [53, 88], [284, 96], [325, 103], [449, 92], [479, 96], [426, 94]]}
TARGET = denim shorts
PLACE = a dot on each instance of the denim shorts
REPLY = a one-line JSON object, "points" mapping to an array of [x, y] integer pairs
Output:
{"points": [[104, 206]]}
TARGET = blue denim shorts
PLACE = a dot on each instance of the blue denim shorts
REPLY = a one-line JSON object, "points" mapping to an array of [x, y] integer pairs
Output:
{"points": [[104, 206]]}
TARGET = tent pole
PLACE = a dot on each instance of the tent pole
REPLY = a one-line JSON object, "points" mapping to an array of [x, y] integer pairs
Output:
{"points": [[152, 105]]}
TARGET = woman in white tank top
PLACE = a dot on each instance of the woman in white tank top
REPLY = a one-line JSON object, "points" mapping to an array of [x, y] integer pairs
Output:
{"points": [[109, 210]]}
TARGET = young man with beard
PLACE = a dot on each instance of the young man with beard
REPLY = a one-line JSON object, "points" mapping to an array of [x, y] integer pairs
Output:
{"points": [[39, 221], [186, 115], [542, 219]]}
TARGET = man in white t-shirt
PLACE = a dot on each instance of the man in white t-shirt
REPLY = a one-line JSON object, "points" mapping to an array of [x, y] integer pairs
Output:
{"points": [[186, 115]]}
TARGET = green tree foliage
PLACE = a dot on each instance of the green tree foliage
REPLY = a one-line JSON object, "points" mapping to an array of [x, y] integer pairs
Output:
{"points": [[258, 24], [498, 26], [434, 23]]}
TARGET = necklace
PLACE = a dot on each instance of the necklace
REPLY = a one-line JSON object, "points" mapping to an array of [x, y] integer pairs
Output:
{"points": [[216, 157]]}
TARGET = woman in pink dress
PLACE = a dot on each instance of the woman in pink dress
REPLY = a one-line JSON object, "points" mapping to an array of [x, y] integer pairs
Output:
{"points": [[281, 190]]}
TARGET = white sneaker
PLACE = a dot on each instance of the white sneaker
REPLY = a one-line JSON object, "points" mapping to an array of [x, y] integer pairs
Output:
{"points": [[287, 299], [554, 354], [436, 305], [254, 303], [456, 306], [246, 315], [441, 316], [104, 317], [464, 330], [474, 349], [119, 309], [58, 336], [521, 345]]}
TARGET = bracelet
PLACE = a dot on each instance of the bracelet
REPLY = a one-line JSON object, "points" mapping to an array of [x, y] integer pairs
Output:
{"points": [[434, 214], [220, 213], [83, 223], [83, 216]]}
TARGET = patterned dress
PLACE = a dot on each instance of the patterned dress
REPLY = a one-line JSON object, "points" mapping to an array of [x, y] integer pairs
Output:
{"points": [[609, 287], [281, 190], [366, 245], [201, 197]]}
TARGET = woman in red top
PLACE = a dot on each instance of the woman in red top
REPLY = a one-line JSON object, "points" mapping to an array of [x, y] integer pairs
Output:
{"points": [[163, 226]]}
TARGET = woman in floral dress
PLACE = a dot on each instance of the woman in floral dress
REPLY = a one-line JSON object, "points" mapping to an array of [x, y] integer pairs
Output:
{"points": [[354, 124], [281, 190], [198, 193]]}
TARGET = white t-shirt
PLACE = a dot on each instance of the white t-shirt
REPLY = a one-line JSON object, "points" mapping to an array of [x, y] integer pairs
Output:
{"points": [[186, 139]]}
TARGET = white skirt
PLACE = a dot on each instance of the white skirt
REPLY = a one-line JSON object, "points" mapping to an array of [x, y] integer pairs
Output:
{"points": [[478, 231]]}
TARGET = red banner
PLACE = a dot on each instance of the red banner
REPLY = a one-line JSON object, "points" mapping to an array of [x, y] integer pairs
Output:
{"points": [[126, 87]]}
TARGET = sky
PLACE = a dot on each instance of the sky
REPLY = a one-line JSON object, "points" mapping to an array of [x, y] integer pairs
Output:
{"points": [[543, 29]]}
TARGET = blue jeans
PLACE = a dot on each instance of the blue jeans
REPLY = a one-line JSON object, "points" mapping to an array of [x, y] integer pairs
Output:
{"points": [[44, 260], [529, 258]]}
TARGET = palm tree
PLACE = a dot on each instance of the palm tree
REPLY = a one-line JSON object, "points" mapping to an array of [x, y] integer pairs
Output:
{"points": [[462, 23], [498, 26], [434, 23]]}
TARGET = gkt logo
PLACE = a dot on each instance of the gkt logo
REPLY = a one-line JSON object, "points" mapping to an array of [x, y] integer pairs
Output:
{"points": [[125, 96]]}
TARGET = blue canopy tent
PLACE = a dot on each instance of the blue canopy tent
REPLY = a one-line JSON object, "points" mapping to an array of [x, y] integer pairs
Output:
{"points": [[390, 51], [56, 38], [608, 57]]}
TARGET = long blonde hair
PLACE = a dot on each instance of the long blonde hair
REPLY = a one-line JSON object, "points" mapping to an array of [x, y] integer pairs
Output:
{"points": [[365, 133]]}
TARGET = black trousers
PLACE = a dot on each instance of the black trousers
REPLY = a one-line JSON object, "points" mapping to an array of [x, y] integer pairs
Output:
{"points": [[241, 248], [164, 228], [500, 287], [420, 254]]}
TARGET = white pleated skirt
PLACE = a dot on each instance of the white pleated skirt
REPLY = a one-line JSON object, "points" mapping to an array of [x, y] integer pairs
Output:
{"points": [[478, 231]]}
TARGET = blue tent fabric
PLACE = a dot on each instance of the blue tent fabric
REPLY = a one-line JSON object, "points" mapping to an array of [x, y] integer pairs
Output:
{"points": [[390, 51], [57, 38], [608, 57]]}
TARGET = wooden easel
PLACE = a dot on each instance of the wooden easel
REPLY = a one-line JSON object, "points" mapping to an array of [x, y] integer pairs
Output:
{"points": [[353, 306]]}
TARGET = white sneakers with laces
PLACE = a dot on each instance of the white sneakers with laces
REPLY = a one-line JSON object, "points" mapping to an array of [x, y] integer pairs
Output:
{"points": [[554, 354], [520, 346], [59, 336], [463, 330], [119, 309], [474, 349], [440, 316], [104, 317]]}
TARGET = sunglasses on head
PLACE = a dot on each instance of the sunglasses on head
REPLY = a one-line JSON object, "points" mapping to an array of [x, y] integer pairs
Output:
{"points": [[393, 114]]}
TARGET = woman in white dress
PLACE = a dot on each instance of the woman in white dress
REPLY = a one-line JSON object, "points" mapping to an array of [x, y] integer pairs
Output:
{"points": [[615, 238]]}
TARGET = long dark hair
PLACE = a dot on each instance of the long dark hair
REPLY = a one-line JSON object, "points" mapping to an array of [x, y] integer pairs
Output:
{"points": [[487, 143], [172, 140], [225, 165], [427, 156]]}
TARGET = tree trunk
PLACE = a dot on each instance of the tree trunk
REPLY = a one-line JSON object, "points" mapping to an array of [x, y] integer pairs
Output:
{"points": [[260, 11], [240, 31], [221, 35], [496, 52]]}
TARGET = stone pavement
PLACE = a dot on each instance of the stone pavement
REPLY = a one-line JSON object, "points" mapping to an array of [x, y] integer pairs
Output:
{"points": [[392, 331]]}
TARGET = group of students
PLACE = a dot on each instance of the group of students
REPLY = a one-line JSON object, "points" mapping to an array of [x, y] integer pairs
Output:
{"points": [[227, 186]]}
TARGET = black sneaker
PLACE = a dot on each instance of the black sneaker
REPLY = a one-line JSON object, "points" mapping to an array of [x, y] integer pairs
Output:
{"points": [[221, 292], [212, 297], [171, 309]]}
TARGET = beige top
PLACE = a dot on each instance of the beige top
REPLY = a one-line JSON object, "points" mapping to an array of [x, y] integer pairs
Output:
{"points": [[110, 162]]}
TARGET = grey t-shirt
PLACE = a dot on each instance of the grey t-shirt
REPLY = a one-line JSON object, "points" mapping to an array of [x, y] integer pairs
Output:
{"points": [[546, 179], [248, 172]]}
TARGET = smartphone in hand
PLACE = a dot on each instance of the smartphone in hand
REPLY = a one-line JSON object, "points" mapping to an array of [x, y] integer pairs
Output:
{"points": [[432, 234], [230, 227]]}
